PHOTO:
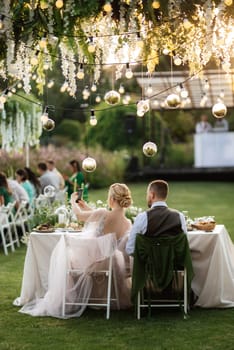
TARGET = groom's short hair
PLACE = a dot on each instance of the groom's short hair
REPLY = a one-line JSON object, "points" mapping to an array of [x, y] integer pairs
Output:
{"points": [[160, 188]]}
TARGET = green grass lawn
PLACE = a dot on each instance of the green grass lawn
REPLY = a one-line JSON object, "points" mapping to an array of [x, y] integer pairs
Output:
{"points": [[205, 329]]}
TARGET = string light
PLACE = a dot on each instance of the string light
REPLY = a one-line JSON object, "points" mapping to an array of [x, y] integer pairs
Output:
{"points": [[43, 43], [177, 60], [64, 87], [3, 99], [107, 7], [121, 89], [98, 99], [50, 84], [91, 45], [59, 4], [80, 74], [34, 59], [94, 87], [93, 119], [45, 116], [155, 4], [128, 73]]}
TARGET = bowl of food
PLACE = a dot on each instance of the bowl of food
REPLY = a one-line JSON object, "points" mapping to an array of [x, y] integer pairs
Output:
{"points": [[204, 224]]}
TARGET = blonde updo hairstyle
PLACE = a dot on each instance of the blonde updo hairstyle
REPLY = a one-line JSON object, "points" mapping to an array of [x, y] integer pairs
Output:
{"points": [[121, 194]]}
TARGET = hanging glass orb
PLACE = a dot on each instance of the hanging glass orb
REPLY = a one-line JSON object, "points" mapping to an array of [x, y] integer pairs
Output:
{"points": [[143, 105], [48, 125], [112, 97], [89, 164], [149, 149], [49, 191], [219, 110], [173, 101]]}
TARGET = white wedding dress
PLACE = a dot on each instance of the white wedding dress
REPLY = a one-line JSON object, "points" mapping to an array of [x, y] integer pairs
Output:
{"points": [[89, 252]]}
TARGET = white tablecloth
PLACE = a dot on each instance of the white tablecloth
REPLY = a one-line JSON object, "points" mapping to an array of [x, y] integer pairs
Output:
{"points": [[212, 255]]}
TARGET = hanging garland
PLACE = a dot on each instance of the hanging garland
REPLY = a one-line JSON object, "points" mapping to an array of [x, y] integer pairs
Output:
{"points": [[20, 124], [34, 34]]}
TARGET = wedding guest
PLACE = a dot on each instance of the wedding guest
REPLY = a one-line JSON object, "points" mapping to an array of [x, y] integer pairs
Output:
{"points": [[22, 179], [5, 191], [46, 177], [221, 125], [34, 180], [76, 180], [18, 192], [51, 167], [203, 126], [159, 219]]}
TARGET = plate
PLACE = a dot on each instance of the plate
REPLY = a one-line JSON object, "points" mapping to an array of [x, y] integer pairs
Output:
{"points": [[44, 231], [67, 230]]}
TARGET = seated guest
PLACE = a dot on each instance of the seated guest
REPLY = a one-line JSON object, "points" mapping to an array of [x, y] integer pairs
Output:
{"points": [[221, 125], [159, 219], [51, 167], [5, 191], [18, 192], [21, 178], [47, 177], [34, 180], [203, 126]]}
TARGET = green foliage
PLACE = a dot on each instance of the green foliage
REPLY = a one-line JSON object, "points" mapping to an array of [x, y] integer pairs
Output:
{"points": [[70, 129], [180, 124]]}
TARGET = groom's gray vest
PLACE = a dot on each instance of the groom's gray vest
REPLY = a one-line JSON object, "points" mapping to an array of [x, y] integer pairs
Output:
{"points": [[162, 220]]}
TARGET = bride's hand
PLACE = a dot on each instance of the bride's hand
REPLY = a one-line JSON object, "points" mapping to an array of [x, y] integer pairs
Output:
{"points": [[74, 197]]}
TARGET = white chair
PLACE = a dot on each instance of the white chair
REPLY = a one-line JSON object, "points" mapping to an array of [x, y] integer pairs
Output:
{"points": [[98, 254], [20, 218], [5, 230], [11, 216]]}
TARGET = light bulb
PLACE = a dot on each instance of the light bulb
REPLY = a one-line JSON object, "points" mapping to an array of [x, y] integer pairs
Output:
{"points": [[44, 4], [91, 45], [149, 90], [166, 51], [34, 61], [177, 60], [50, 84], [121, 89], [221, 95], [184, 93], [107, 7], [19, 85], [206, 85], [44, 117], [98, 99], [43, 43], [94, 88], [59, 4], [140, 113], [155, 4], [64, 87], [93, 119], [128, 73], [186, 23], [80, 74]]}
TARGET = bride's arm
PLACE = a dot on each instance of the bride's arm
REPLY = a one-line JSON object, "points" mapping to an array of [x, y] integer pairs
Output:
{"points": [[80, 209]]}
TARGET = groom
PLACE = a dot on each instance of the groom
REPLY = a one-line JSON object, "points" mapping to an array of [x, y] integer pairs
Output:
{"points": [[159, 219]]}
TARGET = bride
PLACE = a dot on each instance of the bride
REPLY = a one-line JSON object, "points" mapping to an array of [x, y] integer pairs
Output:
{"points": [[72, 252]]}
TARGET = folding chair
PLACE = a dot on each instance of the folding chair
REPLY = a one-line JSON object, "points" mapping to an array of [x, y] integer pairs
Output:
{"points": [[99, 253], [5, 230], [20, 218], [160, 263]]}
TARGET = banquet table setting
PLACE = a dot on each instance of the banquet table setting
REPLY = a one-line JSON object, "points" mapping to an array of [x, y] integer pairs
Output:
{"points": [[212, 257]]}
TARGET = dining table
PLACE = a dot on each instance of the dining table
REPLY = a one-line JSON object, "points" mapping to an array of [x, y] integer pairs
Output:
{"points": [[212, 257]]}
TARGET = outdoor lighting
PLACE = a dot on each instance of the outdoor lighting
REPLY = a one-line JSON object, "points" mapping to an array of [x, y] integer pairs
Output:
{"points": [[43, 43], [91, 45], [184, 93], [98, 99], [173, 101], [149, 149], [121, 89], [149, 90], [64, 87], [48, 125], [93, 119], [3, 99], [177, 60], [80, 74], [94, 87], [34, 59], [89, 164], [45, 116], [50, 84], [107, 7], [128, 73], [59, 4], [219, 110], [112, 97], [155, 4]]}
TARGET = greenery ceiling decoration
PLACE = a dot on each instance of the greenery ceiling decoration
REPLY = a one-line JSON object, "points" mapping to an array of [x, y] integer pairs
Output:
{"points": [[87, 35]]}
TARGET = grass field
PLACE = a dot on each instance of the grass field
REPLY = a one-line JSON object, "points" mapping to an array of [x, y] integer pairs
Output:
{"points": [[206, 329]]}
